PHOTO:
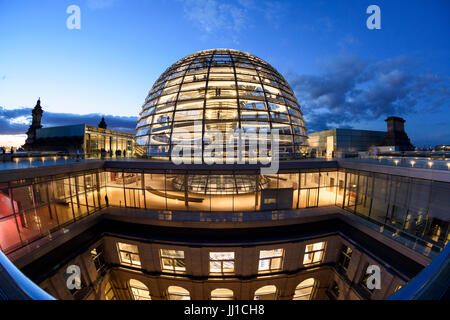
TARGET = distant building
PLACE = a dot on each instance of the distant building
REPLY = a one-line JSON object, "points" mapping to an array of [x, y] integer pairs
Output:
{"points": [[85, 139], [396, 138], [81, 138], [442, 148], [339, 142], [335, 142]]}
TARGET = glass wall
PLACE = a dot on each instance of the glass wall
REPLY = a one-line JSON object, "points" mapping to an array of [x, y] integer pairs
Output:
{"points": [[33, 208], [224, 91], [112, 142], [414, 207]]}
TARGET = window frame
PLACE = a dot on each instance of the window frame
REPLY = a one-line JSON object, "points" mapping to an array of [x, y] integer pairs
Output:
{"points": [[111, 289], [310, 295], [131, 287], [271, 259], [221, 262], [98, 258], [345, 257], [129, 254], [314, 252], [173, 261]]}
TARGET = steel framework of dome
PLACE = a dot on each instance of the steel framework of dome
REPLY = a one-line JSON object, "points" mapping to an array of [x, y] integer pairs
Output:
{"points": [[226, 90]]}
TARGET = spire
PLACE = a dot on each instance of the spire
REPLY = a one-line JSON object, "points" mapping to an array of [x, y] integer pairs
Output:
{"points": [[102, 123]]}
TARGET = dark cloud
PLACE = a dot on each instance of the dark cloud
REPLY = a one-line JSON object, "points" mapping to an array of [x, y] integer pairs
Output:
{"points": [[352, 90], [17, 121]]}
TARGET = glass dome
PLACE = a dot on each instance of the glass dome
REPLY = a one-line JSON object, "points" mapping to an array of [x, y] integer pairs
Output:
{"points": [[223, 90]]}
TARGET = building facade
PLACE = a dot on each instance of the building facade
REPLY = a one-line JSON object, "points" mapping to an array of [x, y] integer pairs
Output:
{"points": [[338, 142], [84, 139], [139, 229], [156, 243]]}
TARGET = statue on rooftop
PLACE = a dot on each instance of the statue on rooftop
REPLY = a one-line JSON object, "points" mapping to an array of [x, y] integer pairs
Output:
{"points": [[102, 123], [35, 122]]}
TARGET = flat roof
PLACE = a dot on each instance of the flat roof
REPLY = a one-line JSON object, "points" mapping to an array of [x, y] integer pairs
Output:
{"points": [[10, 171], [76, 130], [347, 131]]}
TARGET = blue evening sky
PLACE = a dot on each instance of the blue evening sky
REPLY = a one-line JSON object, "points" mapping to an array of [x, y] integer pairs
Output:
{"points": [[344, 75]]}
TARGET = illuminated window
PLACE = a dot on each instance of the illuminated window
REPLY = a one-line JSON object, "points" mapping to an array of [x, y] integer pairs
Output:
{"points": [[139, 291], [129, 254], [270, 260], [314, 253], [222, 294], [345, 257], [172, 260], [398, 287], [98, 259], [304, 289], [178, 293], [109, 292], [209, 86], [266, 293], [270, 200], [221, 262]]}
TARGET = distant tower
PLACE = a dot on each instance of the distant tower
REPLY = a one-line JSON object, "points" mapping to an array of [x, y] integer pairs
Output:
{"points": [[396, 135], [35, 123], [102, 123]]}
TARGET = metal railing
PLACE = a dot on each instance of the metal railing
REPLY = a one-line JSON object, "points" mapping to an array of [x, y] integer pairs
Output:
{"points": [[14, 285], [432, 283]]}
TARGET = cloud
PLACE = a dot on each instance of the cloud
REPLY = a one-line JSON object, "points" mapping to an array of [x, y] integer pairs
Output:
{"points": [[213, 15], [351, 89], [217, 17], [348, 41], [17, 121], [101, 4]]}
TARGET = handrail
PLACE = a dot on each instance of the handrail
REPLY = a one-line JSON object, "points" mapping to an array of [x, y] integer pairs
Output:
{"points": [[14, 285], [431, 283]]}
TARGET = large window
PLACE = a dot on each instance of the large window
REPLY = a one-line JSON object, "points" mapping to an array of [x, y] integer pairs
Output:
{"points": [[314, 253], [138, 290], [222, 294], [345, 257], [129, 254], [172, 260], [109, 292], [270, 260], [266, 293], [304, 290], [178, 293], [221, 262], [98, 259]]}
